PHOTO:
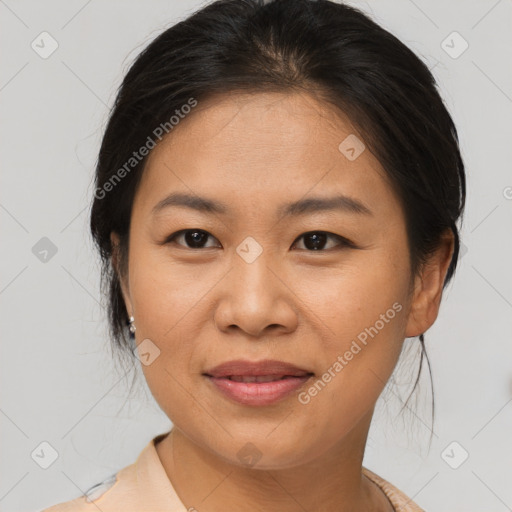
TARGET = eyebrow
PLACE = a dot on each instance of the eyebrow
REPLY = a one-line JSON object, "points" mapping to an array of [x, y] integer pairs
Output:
{"points": [[300, 207]]}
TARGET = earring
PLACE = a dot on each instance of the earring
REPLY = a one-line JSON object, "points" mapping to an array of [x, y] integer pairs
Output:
{"points": [[132, 325]]}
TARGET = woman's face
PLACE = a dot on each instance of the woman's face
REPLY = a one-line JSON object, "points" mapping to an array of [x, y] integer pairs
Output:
{"points": [[250, 286]]}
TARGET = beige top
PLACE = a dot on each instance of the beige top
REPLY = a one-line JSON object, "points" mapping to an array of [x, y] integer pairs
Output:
{"points": [[145, 487]]}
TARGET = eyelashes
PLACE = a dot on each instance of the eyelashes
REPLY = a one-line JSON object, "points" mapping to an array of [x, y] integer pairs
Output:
{"points": [[193, 236], [314, 241], [319, 238]]}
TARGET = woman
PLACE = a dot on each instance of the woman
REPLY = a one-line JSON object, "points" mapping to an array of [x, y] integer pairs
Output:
{"points": [[276, 201]]}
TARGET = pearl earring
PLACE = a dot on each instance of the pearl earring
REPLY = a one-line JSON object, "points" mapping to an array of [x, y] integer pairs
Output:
{"points": [[132, 325]]}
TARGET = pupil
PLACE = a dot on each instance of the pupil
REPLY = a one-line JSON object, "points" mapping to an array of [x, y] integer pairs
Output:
{"points": [[194, 238], [317, 239]]}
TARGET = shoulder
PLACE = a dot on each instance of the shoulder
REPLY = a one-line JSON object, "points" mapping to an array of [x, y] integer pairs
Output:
{"points": [[85, 502], [141, 486], [400, 501]]}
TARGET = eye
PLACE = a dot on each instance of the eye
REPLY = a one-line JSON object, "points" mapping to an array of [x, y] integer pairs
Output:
{"points": [[196, 238], [313, 240], [316, 240]]}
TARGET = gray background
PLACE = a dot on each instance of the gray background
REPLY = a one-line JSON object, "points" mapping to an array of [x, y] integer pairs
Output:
{"points": [[58, 382]]}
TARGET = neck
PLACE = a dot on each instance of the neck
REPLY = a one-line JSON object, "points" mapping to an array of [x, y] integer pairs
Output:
{"points": [[332, 482]]}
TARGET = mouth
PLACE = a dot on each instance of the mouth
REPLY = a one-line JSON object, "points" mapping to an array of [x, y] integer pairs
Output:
{"points": [[257, 383], [260, 378], [267, 368]]}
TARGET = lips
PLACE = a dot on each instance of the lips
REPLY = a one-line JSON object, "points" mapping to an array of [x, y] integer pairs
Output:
{"points": [[259, 383], [258, 371], [258, 378]]}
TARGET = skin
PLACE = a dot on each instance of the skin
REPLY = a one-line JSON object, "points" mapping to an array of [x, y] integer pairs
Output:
{"points": [[205, 306]]}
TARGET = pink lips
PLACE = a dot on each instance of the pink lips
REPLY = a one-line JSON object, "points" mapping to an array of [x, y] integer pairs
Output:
{"points": [[266, 382]]}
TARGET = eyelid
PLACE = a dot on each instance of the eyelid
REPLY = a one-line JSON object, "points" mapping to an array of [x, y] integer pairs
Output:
{"points": [[342, 241], [170, 238]]}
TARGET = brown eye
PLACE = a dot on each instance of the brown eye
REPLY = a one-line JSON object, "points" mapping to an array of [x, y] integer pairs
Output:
{"points": [[316, 240], [193, 238]]}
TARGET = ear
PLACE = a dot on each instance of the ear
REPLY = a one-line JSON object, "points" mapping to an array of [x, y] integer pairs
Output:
{"points": [[428, 288], [114, 239]]}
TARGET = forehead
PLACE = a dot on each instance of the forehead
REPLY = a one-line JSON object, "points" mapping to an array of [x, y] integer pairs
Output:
{"points": [[260, 148], [243, 124]]}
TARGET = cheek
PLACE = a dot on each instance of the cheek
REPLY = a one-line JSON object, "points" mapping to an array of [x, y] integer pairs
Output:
{"points": [[172, 307], [362, 313], [352, 296], [163, 292]]}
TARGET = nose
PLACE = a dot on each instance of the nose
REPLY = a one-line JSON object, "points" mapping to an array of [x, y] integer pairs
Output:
{"points": [[256, 299]]}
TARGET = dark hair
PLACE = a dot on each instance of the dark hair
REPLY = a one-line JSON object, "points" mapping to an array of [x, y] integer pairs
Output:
{"points": [[324, 48]]}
